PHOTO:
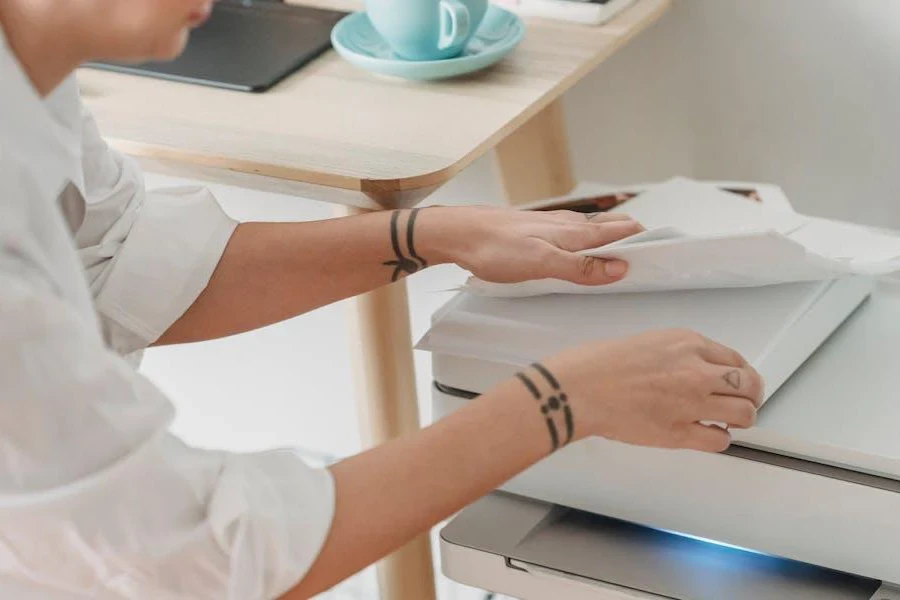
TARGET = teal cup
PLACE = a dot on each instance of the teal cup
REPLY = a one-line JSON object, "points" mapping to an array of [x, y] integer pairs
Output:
{"points": [[426, 29]]}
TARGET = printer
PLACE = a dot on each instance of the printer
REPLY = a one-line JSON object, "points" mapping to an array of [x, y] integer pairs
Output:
{"points": [[805, 505]]}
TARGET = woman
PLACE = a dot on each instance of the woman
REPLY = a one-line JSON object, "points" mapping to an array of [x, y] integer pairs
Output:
{"points": [[98, 500]]}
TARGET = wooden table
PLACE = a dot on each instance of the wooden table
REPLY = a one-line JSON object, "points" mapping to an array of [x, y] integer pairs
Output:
{"points": [[335, 133]]}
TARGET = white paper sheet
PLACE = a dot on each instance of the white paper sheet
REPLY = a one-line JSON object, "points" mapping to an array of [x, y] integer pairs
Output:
{"points": [[703, 209], [700, 237]]}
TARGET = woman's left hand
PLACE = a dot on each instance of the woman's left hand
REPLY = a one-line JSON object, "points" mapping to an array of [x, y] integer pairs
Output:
{"points": [[503, 245]]}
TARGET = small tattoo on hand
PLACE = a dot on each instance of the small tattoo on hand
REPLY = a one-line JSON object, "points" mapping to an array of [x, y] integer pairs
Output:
{"points": [[404, 265], [556, 402], [733, 378]]}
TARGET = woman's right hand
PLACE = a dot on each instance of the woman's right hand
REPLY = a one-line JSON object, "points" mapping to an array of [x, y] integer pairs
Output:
{"points": [[665, 389]]}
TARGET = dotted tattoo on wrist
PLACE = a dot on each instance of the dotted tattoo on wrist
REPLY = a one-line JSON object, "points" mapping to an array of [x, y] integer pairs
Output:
{"points": [[404, 265], [554, 408]]}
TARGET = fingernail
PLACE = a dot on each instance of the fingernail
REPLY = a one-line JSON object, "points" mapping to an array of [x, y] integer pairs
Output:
{"points": [[615, 268]]}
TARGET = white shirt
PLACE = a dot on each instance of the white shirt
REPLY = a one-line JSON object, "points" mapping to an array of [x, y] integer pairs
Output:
{"points": [[97, 499]]}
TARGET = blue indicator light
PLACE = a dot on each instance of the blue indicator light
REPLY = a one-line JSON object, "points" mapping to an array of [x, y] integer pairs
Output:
{"points": [[710, 542]]}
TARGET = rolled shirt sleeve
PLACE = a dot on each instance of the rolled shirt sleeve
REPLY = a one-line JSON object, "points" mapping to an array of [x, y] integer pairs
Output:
{"points": [[148, 254], [271, 514], [98, 500]]}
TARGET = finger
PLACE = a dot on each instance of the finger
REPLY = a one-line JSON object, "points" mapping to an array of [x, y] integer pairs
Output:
{"points": [[604, 217], [587, 236], [731, 410], [745, 382], [583, 270], [573, 216], [718, 354], [707, 438]]}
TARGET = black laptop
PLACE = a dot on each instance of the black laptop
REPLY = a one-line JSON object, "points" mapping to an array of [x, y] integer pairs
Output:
{"points": [[247, 45]]}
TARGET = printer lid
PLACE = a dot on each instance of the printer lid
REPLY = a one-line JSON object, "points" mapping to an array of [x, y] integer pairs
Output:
{"points": [[519, 331], [840, 407]]}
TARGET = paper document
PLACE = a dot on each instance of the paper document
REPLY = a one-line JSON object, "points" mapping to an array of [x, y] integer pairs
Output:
{"points": [[700, 237], [703, 209]]}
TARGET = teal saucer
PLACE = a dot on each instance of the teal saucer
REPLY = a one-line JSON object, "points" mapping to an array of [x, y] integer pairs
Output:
{"points": [[356, 40]]}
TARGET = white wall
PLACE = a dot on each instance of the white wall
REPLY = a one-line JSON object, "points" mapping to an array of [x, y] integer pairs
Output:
{"points": [[803, 93]]}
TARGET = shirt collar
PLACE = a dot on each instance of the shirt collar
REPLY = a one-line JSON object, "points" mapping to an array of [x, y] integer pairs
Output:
{"points": [[42, 133]]}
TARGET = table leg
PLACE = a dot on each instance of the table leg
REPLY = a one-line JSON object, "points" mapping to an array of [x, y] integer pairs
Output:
{"points": [[534, 160], [381, 343]]}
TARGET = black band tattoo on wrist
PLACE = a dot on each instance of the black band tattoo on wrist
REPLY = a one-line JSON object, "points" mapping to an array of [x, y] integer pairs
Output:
{"points": [[556, 402], [404, 265], [733, 378]]}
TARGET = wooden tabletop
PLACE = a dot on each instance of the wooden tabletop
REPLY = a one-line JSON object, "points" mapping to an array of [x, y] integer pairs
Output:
{"points": [[335, 126]]}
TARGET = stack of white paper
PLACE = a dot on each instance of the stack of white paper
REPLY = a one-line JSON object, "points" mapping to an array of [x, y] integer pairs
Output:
{"points": [[699, 236]]}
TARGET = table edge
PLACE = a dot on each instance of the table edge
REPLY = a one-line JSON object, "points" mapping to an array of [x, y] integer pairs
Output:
{"points": [[385, 188]]}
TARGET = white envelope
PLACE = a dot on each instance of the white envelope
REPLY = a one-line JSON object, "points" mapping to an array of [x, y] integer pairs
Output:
{"points": [[700, 237]]}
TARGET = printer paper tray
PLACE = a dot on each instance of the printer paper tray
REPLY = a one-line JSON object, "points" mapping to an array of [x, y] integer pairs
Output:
{"points": [[531, 549]]}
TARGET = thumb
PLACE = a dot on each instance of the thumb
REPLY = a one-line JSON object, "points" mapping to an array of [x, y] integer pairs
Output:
{"points": [[584, 270]]}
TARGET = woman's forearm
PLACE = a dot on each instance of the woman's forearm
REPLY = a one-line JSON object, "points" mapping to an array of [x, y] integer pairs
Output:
{"points": [[270, 272], [389, 495], [274, 271]]}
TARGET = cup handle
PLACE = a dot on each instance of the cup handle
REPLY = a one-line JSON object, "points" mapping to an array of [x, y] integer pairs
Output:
{"points": [[454, 24]]}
